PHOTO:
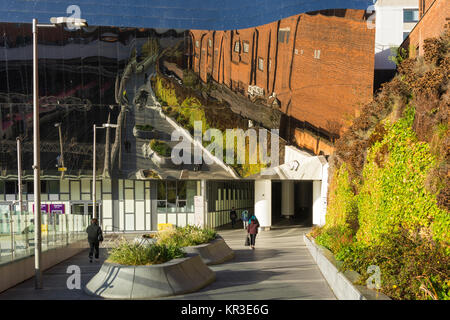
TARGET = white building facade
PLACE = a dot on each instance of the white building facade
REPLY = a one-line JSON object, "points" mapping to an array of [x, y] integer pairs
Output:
{"points": [[394, 20]]}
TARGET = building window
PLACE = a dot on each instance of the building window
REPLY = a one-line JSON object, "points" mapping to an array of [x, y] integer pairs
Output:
{"points": [[53, 186], [261, 64], [10, 187], [210, 43], [405, 35], [237, 47], [176, 196], [245, 46], [2, 187], [316, 54], [161, 197], [43, 186], [197, 44], [410, 15], [283, 35], [29, 187], [171, 196], [422, 7]]}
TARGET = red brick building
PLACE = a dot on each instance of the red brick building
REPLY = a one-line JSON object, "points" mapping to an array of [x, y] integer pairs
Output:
{"points": [[316, 67], [434, 20]]}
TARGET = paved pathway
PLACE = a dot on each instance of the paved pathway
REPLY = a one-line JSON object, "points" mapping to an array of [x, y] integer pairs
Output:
{"points": [[279, 268]]}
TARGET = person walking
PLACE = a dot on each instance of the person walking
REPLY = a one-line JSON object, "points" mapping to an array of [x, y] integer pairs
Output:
{"points": [[244, 217], [252, 230], [95, 236], [233, 217]]}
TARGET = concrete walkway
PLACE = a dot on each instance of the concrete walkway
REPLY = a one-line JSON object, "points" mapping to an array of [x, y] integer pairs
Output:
{"points": [[279, 268]]}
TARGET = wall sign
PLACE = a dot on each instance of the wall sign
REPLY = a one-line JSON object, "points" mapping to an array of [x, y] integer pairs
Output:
{"points": [[57, 208], [44, 208]]}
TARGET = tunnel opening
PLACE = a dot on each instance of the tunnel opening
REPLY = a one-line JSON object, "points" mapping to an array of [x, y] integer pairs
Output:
{"points": [[301, 203]]}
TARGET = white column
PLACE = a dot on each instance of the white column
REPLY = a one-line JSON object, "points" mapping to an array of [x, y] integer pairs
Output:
{"points": [[317, 202], [324, 193], [205, 202], [287, 199], [263, 203]]}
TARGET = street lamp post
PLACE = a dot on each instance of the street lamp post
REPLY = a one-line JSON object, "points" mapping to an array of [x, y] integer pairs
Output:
{"points": [[94, 169], [36, 141], [36, 165], [19, 183]]}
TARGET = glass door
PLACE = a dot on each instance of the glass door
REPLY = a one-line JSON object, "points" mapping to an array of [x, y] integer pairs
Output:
{"points": [[86, 209]]}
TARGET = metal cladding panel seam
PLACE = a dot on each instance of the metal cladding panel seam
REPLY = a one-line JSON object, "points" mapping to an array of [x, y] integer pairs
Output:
{"points": [[177, 14]]}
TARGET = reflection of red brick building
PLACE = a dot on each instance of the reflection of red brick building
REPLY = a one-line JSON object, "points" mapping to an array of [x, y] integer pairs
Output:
{"points": [[319, 65], [434, 19]]}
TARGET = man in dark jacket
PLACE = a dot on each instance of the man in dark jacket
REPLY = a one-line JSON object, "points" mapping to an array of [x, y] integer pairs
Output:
{"points": [[252, 230], [233, 217], [94, 237]]}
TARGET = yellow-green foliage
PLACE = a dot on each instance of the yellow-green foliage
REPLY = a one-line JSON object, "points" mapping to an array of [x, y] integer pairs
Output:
{"points": [[185, 236], [342, 201], [393, 194], [167, 95], [134, 254], [192, 110]]}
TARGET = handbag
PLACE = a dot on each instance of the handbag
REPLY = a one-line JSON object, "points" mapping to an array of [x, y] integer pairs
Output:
{"points": [[100, 236], [247, 240]]}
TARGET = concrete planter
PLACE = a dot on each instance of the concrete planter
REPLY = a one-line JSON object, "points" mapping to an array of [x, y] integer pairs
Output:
{"points": [[142, 134], [154, 134], [141, 176], [214, 252], [160, 161], [342, 283], [178, 276]]}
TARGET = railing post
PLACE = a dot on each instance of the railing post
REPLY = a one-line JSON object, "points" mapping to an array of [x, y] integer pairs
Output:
{"points": [[66, 219], [11, 231], [54, 227]]}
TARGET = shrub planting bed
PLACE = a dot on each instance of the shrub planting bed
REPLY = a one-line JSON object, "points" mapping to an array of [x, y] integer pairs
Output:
{"points": [[195, 240], [136, 271], [161, 148]]}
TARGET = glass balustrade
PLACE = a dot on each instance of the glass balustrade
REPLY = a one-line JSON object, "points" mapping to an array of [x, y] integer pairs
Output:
{"points": [[17, 232]]}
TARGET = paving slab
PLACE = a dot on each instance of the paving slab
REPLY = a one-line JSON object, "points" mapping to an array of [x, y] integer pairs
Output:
{"points": [[279, 268]]}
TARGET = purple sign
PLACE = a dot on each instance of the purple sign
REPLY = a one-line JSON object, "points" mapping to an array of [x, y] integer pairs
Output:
{"points": [[57, 208], [44, 208]]}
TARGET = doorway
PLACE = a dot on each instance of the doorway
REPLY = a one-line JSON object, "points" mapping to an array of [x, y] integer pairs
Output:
{"points": [[303, 201], [86, 208], [276, 202]]}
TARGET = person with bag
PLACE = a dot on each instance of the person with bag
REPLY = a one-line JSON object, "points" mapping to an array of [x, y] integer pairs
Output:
{"points": [[95, 236], [233, 217], [252, 230]]}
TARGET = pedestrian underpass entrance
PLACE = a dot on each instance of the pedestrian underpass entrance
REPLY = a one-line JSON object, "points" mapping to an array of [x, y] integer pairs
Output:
{"points": [[293, 201]]}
